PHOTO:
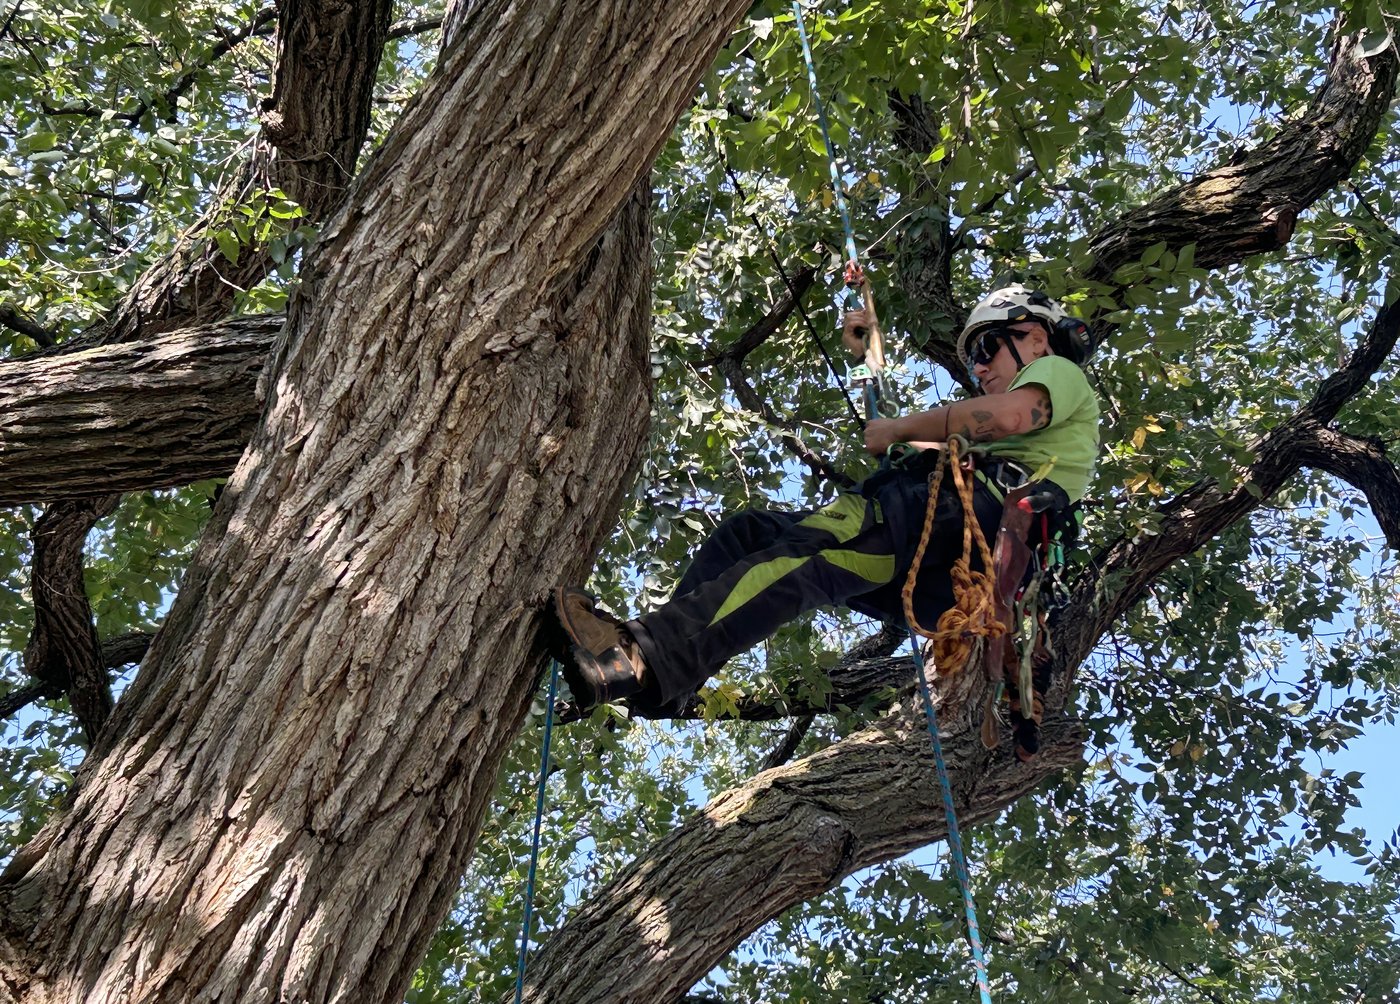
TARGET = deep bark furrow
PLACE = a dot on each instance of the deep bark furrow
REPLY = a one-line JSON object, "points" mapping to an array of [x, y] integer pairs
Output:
{"points": [[444, 440], [138, 415]]}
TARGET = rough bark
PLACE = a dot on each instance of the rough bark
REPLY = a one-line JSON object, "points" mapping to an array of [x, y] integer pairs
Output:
{"points": [[784, 836], [63, 652], [287, 795], [1251, 204], [150, 414]]}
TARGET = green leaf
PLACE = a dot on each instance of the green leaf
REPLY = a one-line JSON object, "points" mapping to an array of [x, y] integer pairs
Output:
{"points": [[228, 244]]}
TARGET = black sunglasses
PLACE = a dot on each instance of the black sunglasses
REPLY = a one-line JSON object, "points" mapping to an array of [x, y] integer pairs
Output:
{"points": [[987, 344]]}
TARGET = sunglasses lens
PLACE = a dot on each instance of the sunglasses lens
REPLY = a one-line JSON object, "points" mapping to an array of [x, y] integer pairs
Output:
{"points": [[984, 350]]}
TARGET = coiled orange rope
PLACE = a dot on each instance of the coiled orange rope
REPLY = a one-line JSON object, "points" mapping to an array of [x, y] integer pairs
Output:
{"points": [[973, 617]]}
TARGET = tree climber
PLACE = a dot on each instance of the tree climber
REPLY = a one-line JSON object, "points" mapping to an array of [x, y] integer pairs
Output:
{"points": [[760, 569]]}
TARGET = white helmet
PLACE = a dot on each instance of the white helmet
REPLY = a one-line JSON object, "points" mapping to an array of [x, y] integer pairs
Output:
{"points": [[1069, 336]]}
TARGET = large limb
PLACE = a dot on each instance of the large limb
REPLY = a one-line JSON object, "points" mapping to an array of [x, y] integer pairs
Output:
{"points": [[1250, 204], [1240, 208], [138, 415], [452, 412], [782, 837]]}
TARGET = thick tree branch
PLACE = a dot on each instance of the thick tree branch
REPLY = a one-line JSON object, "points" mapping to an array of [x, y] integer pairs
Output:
{"points": [[405, 29], [131, 416], [792, 738], [21, 697], [1363, 464], [1250, 205], [1343, 385], [780, 838], [63, 651], [1125, 569], [125, 649]]}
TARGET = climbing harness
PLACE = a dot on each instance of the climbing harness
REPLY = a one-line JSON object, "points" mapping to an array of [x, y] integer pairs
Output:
{"points": [[535, 839], [869, 376]]}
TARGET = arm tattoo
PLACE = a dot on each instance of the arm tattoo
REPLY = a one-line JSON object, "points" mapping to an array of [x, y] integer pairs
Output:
{"points": [[981, 428], [1040, 413]]}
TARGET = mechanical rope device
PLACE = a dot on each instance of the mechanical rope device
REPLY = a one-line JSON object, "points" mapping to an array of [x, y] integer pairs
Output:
{"points": [[869, 376]]}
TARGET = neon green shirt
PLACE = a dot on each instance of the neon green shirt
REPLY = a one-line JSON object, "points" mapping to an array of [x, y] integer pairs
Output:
{"points": [[1070, 443]]}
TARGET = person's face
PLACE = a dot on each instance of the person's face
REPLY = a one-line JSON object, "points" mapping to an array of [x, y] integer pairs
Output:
{"points": [[994, 365]]}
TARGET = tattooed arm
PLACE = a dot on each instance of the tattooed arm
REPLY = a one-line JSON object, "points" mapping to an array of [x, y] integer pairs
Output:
{"points": [[980, 420]]}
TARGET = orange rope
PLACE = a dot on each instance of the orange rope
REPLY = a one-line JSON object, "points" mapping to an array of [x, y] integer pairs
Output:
{"points": [[973, 616]]}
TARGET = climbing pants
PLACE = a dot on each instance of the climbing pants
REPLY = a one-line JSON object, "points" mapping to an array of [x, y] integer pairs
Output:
{"points": [[761, 569]]}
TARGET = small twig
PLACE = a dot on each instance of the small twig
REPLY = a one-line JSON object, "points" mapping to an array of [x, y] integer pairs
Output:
{"points": [[783, 752], [1203, 991], [260, 23], [10, 19], [734, 374], [405, 28]]}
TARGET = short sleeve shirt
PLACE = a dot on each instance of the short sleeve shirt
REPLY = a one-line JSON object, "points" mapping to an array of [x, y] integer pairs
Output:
{"points": [[1065, 450]]}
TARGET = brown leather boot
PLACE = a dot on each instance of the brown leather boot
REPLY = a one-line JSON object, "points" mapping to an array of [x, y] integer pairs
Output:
{"points": [[600, 659]]}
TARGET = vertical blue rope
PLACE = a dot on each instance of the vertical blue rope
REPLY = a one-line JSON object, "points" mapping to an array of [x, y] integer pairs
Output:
{"points": [[955, 847], [826, 134], [535, 840]]}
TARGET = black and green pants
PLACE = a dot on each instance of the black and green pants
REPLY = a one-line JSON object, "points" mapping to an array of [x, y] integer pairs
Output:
{"points": [[761, 569]]}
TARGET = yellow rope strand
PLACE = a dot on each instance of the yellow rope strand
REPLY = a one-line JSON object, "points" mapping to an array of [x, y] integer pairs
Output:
{"points": [[973, 616]]}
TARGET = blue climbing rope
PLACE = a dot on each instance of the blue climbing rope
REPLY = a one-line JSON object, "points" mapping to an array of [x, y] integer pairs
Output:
{"points": [[836, 185], [872, 411], [535, 840], [955, 847]]}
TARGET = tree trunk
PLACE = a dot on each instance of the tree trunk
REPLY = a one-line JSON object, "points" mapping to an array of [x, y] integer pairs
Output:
{"points": [[281, 806]]}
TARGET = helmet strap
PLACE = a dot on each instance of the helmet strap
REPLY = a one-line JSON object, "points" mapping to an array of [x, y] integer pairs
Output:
{"points": [[1011, 344]]}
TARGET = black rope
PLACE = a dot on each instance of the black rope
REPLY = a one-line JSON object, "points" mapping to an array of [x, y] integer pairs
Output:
{"points": [[792, 291]]}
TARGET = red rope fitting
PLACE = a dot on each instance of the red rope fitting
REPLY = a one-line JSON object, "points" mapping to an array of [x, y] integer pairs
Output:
{"points": [[855, 275]]}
